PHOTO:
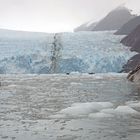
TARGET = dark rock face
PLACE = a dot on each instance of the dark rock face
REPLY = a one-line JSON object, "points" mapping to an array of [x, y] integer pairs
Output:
{"points": [[129, 26], [136, 46], [132, 63], [114, 20], [134, 75], [133, 41]]}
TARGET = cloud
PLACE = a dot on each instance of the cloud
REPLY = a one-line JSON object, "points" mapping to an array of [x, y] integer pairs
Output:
{"points": [[134, 5], [52, 15]]}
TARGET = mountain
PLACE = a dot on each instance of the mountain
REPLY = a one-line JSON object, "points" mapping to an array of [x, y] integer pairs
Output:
{"points": [[133, 41], [113, 21], [89, 26], [129, 26]]}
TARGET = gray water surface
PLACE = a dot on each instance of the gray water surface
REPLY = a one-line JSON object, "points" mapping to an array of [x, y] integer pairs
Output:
{"points": [[28, 101]]}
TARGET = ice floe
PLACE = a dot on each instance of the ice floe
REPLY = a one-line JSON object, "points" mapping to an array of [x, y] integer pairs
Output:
{"points": [[98, 110], [100, 115], [86, 108], [125, 110]]}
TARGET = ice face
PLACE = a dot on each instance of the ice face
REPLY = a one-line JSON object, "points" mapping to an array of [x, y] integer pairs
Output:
{"points": [[84, 52]]}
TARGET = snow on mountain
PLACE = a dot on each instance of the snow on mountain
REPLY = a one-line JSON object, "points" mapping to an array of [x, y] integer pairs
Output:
{"points": [[84, 52], [112, 21]]}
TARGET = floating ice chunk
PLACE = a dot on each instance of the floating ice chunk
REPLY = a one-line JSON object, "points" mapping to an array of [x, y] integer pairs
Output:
{"points": [[125, 110], [78, 110], [98, 77], [75, 73], [108, 111], [100, 115], [86, 108], [120, 110], [105, 104], [101, 104], [98, 110], [133, 104], [75, 84], [58, 116], [12, 86]]}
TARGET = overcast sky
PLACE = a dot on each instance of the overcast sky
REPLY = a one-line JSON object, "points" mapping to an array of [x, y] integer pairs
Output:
{"points": [[55, 15]]}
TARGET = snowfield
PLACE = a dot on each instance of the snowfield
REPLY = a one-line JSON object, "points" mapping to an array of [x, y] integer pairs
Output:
{"points": [[69, 107]]}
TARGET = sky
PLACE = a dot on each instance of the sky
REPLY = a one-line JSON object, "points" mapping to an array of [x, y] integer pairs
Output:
{"points": [[56, 15]]}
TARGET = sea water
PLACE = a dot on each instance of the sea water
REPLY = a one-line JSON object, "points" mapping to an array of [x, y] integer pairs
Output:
{"points": [[69, 107]]}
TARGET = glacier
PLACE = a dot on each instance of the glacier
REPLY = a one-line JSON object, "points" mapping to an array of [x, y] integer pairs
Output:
{"points": [[42, 53]]}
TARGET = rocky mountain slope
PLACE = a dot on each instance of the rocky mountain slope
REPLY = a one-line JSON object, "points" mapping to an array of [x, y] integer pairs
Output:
{"points": [[129, 26], [86, 27], [113, 21], [133, 41], [134, 75]]}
